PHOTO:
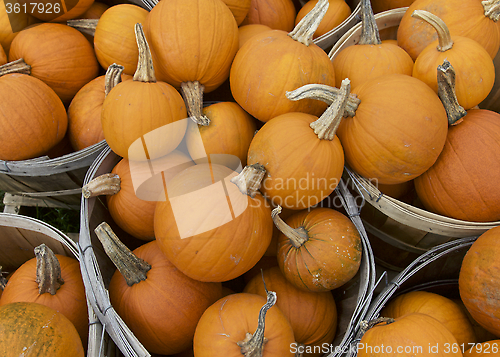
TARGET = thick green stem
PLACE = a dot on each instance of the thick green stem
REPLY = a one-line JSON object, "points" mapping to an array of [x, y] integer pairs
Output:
{"points": [[297, 236], [444, 38], [48, 270], [369, 29], [305, 29]]}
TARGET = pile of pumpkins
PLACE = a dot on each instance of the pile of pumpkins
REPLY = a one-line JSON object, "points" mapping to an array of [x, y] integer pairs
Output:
{"points": [[235, 189]]}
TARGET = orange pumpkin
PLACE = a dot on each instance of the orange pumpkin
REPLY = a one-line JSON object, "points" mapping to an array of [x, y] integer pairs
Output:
{"points": [[277, 14], [474, 68], [46, 331], [84, 111], [240, 323], [208, 228], [157, 302], [440, 307], [94, 11], [30, 109], [384, 5], [410, 335], [371, 57], [312, 315], [468, 18], [486, 348], [11, 23], [53, 280], [247, 31], [143, 109], [3, 56], [338, 11], [239, 8], [479, 282], [44, 44], [114, 38], [272, 63], [319, 249]]}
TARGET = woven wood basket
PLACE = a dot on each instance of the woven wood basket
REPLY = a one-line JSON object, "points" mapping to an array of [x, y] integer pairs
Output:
{"points": [[55, 181], [352, 299], [19, 235], [400, 232]]}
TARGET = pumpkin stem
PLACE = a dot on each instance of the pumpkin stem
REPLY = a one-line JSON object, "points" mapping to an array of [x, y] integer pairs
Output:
{"points": [[86, 26], [446, 92], [3, 280], [17, 66], [113, 77], [133, 268], [366, 325], [299, 352], [192, 92], [445, 42], [297, 236], [145, 71], [304, 31], [326, 94], [491, 9], [250, 179], [369, 29], [253, 345], [106, 184], [326, 126], [48, 270]]}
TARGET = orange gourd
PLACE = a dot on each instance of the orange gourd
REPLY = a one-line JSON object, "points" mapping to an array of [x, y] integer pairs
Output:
{"points": [[479, 282], [84, 111], [42, 45], [3, 56], [474, 68], [209, 229], [114, 38], [46, 331], [319, 249], [370, 57], [277, 14], [157, 302], [440, 307], [338, 12], [410, 335], [272, 63], [53, 280], [468, 18], [94, 11], [143, 109], [30, 109], [312, 315], [239, 8], [384, 5], [243, 325], [247, 31]]}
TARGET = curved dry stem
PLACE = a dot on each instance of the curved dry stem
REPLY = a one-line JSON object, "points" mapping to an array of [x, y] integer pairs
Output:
{"points": [[86, 26], [326, 94], [369, 29], [113, 77], [491, 9], [133, 268], [366, 325], [145, 71], [446, 92], [327, 124], [17, 66], [106, 184], [3, 280], [192, 92], [253, 345], [297, 236], [250, 179], [305, 29], [443, 33], [48, 270]]}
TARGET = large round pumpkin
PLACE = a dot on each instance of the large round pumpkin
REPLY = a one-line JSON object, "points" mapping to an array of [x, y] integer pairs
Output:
{"points": [[479, 281], [40, 328], [43, 45], [33, 118], [208, 228]]}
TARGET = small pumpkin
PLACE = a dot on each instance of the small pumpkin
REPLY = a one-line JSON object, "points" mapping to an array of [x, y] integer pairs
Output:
{"points": [[42, 45], [338, 11], [440, 307], [3, 56], [312, 315], [46, 331], [479, 283], [247, 31], [319, 249], [384, 5], [157, 302], [276, 14], [243, 324], [370, 57], [11, 23], [239, 8], [272, 63], [53, 280], [143, 106]]}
